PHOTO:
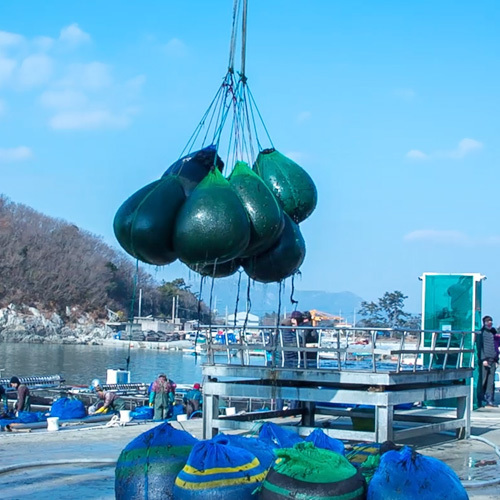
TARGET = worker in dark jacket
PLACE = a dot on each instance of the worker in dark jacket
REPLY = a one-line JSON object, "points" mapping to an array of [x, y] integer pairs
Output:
{"points": [[23, 395], [487, 356]]}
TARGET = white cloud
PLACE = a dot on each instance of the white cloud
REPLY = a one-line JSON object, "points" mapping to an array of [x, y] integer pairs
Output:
{"points": [[8, 155], [63, 99], [303, 116], [88, 120], [35, 70], [90, 76], [464, 148], [10, 39], [405, 94], [73, 36], [176, 48], [7, 67], [415, 154]]}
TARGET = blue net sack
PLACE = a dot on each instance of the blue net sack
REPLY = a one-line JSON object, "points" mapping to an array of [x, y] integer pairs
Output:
{"points": [[262, 450], [278, 437], [142, 413], [321, 440], [217, 471], [148, 465], [408, 475]]}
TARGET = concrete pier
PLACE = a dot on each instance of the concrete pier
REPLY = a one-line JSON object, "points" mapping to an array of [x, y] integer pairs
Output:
{"points": [[67, 482]]}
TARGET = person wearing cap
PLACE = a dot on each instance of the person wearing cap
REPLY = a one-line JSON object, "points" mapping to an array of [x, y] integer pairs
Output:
{"points": [[111, 401], [23, 395], [162, 398], [193, 400]]}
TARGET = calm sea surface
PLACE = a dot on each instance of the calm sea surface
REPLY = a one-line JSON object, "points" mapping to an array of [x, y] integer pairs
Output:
{"points": [[79, 364]]}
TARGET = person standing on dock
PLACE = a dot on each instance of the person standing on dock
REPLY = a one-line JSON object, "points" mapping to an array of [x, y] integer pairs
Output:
{"points": [[488, 358], [23, 395], [162, 398]]}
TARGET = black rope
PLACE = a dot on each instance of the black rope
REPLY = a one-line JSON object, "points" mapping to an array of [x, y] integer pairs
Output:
{"points": [[277, 331], [131, 311], [292, 300], [249, 306], [237, 299], [199, 317]]}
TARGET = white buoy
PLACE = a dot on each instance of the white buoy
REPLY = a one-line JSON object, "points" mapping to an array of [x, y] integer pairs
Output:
{"points": [[53, 424]]}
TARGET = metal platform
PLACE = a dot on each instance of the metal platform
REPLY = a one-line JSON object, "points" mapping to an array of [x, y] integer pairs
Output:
{"points": [[373, 374]]}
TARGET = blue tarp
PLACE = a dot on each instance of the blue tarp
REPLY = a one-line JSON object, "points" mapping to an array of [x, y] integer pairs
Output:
{"points": [[68, 408]]}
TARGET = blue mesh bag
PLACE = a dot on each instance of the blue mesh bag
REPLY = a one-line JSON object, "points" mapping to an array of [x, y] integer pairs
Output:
{"points": [[278, 437], [148, 465], [408, 475], [217, 471], [321, 440], [262, 450]]}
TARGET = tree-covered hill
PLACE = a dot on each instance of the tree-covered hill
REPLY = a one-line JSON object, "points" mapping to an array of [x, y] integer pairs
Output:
{"points": [[54, 265]]}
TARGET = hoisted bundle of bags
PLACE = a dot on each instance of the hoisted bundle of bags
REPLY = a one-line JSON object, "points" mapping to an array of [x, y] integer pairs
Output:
{"points": [[215, 225]]}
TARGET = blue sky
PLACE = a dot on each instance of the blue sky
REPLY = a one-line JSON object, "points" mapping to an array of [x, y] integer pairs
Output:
{"points": [[392, 107]]}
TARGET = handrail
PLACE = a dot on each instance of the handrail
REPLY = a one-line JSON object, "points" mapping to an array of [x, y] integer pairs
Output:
{"points": [[336, 348]]}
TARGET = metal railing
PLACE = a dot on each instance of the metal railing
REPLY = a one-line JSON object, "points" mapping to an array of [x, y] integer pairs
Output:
{"points": [[338, 348]]}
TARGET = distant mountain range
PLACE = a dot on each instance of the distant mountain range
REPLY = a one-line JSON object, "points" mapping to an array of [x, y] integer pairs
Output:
{"points": [[265, 298]]}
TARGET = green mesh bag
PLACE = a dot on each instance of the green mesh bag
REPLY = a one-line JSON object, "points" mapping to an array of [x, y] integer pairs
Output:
{"points": [[144, 224], [212, 224], [290, 183], [263, 210], [280, 261], [307, 472]]}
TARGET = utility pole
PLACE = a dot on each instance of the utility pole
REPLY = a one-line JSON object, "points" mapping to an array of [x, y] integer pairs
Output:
{"points": [[176, 306], [140, 303], [173, 308]]}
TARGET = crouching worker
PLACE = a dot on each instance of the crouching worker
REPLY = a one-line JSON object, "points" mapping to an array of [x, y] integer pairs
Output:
{"points": [[193, 400], [111, 401], [162, 398]]}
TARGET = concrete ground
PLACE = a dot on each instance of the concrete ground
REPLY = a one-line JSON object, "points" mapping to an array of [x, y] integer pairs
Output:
{"points": [[472, 460]]}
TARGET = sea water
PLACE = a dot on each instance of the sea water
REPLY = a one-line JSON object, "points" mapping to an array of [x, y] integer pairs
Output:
{"points": [[79, 364]]}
